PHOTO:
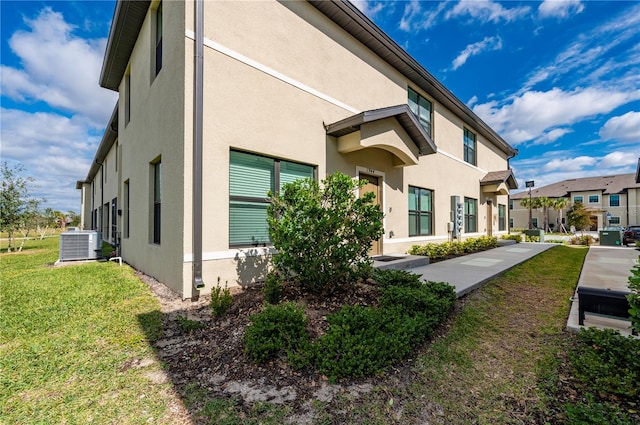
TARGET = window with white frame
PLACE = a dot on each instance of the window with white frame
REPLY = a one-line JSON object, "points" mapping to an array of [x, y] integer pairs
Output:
{"points": [[614, 200], [578, 198], [594, 199], [614, 221], [251, 177]]}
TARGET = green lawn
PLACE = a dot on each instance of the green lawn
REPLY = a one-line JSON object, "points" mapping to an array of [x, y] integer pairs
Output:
{"points": [[74, 349], [73, 345]]}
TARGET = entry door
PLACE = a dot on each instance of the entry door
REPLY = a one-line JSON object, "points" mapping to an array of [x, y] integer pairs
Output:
{"points": [[489, 218], [373, 185]]}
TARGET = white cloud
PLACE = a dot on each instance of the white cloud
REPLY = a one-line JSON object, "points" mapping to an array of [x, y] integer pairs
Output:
{"points": [[55, 81], [619, 159], [560, 8], [530, 115], [58, 68], [624, 128], [487, 11], [552, 135], [487, 44], [415, 18], [369, 8], [570, 164], [588, 59]]}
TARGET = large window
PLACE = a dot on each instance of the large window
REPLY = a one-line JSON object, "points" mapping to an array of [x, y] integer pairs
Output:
{"points": [[614, 200], [469, 147], [470, 215], [502, 216], [157, 200], [251, 177], [422, 108], [420, 211]]}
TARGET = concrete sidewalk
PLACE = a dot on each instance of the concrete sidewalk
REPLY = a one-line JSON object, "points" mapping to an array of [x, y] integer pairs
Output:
{"points": [[474, 270], [604, 268]]}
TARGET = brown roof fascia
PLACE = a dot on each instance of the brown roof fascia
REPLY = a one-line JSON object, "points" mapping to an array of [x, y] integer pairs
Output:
{"points": [[126, 23]]}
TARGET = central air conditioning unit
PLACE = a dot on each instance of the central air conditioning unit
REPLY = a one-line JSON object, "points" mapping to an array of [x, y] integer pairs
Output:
{"points": [[80, 245]]}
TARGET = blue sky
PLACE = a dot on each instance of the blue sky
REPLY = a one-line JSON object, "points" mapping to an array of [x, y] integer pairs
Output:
{"points": [[559, 80]]}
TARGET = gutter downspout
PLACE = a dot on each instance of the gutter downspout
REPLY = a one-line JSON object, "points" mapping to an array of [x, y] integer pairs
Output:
{"points": [[197, 281]]}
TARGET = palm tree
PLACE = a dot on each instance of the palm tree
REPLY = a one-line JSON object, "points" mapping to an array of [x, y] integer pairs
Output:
{"points": [[546, 203], [530, 203], [559, 204]]}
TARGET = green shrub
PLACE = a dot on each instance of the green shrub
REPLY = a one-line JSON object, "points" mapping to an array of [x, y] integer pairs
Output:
{"points": [[279, 329], [608, 362], [394, 277], [363, 340], [512, 237], [634, 297], [188, 325], [221, 299], [440, 251], [273, 288], [531, 238], [323, 235], [582, 240], [594, 413]]}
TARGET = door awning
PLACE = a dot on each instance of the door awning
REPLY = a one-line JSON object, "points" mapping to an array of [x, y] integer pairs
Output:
{"points": [[395, 129], [499, 182]]}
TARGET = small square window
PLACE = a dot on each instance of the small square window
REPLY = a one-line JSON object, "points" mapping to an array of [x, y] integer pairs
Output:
{"points": [[594, 199]]}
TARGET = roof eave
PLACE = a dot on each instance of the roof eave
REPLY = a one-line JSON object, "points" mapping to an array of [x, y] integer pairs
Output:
{"points": [[127, 20]]}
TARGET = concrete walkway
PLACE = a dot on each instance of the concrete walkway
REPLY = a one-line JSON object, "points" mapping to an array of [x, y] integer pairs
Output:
{"points": [[474, 270], [604, 268]]}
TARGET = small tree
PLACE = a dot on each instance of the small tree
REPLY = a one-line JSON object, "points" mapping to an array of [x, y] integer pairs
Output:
{"points": [[14, 200], [578, 216], [323, 234], [545, 203]]}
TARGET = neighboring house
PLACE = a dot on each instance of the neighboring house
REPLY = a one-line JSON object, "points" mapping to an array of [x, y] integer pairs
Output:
{"points": [[610, 200], [275, 92]]}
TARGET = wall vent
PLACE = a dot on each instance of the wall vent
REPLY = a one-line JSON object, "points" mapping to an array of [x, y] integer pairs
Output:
{"points": [[80, 245]]}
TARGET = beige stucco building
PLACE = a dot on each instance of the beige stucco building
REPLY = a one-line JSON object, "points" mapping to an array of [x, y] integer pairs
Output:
{"points": [[610, 200], [221, 101]]}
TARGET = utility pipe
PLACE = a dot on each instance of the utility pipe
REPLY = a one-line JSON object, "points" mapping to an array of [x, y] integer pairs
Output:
{"points": [[197, 281]]}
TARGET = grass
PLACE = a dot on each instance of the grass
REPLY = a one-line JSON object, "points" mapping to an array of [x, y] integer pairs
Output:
{"points": [[73, 338], [73, 345]]}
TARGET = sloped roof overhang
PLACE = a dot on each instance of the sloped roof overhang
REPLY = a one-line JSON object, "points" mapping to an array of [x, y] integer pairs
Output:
{"points": [[403, 116], [127, 20], [500, 182]]}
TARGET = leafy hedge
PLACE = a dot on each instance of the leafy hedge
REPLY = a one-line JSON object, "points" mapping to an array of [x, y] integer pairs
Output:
{"points": [[608, 361], [441, 251], [634, 297], [513, 237], [360, 340]]}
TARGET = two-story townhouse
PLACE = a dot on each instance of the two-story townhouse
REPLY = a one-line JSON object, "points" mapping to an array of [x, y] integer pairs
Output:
{"points": [[221, 102], [610, 200]]}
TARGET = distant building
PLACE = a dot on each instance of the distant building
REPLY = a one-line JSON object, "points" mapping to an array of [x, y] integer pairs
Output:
{"points": [[610, 200]]}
